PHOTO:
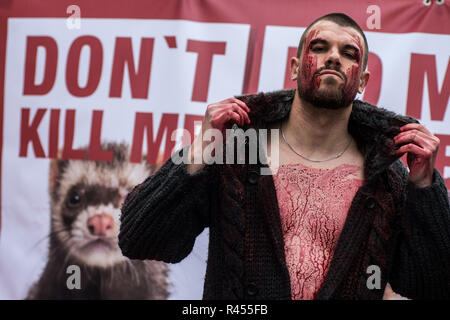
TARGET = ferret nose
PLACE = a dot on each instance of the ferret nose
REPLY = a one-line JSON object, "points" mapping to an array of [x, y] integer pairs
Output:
{"points": [[100, 225]]}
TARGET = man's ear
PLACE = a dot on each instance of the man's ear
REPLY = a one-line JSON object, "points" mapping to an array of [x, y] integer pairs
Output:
{"points": [[295, 68], [363, 80]]}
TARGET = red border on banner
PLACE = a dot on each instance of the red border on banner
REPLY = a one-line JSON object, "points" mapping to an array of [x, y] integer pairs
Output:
{"points": [[3, 39]]}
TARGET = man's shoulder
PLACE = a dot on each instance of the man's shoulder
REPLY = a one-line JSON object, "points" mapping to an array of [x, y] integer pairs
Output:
{"points": [[268, 106], [268, 96], [368, 113]]}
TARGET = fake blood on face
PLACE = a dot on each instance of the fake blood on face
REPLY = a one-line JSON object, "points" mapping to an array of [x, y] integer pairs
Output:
{"points": [[309, 64], [352, 73], [309, 81], [352, 84]]}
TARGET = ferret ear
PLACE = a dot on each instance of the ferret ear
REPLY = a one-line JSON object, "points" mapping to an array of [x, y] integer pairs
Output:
{"points": [[159, 161], [53, 175], [153, 167], [56, 168]]}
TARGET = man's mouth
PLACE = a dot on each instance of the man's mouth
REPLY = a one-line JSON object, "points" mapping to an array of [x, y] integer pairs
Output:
{"points": [[332, 73]]}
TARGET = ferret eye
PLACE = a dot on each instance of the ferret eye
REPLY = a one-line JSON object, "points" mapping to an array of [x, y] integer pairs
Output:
{"points": [[74, 199]]}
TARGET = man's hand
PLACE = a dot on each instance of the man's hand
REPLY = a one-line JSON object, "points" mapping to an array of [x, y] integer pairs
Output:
{"points": [[221, 116], [421, 146]]}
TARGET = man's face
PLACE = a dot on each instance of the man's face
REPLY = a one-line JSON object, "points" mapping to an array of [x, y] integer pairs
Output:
{"points": [[329, 71]]}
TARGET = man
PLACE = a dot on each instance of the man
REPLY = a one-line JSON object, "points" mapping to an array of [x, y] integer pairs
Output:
{"points": [[339, 208]]}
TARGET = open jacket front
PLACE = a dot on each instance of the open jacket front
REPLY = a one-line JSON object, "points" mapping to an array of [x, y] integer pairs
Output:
{"points": [[403, 230]]}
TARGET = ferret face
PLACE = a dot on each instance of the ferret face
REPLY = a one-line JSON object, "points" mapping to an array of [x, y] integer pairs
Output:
{"points": [[86, 200]]}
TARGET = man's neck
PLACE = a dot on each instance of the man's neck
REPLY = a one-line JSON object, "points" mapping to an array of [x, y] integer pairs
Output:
{"points": [[317, 133]]}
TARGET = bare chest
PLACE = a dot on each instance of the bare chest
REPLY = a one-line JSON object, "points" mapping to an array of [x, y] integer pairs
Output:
{"points": [[313, 207]]}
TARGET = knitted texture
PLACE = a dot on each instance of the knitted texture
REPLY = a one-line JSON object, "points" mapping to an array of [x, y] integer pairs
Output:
{"points": [[403, 230], [171, 202]]}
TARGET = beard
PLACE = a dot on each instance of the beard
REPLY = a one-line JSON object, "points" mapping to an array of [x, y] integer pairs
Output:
{"points": [[332, 96]]}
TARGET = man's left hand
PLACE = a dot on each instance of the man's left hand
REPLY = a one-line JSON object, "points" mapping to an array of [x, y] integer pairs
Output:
{"points": [[421, 146]]}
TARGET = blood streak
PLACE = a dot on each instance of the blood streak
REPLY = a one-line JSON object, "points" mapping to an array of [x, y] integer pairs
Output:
{"points": [[352, 73], [309, 64], [359, 53], [352, 81], [309, 67]]}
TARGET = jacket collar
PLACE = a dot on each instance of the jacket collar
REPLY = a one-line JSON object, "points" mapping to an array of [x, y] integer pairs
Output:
{"points": [[373, 128]]}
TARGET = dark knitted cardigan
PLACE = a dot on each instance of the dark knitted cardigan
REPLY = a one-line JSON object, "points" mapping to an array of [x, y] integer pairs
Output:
{"points": [[403, 230]]}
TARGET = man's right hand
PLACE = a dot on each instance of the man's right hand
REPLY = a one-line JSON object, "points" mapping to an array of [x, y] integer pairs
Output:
{"points": [[221, 116]]}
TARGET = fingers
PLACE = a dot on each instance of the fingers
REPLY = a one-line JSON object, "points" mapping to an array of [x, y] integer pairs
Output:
{"points": [[235, 113], [417, 126], [418, 140], [236, 118], [418, 135], [415, 149], [421, 147], [238, 102], [241, 106], [220, 118], [224, 106], [241, 112], [414, 136], [228, 111]]}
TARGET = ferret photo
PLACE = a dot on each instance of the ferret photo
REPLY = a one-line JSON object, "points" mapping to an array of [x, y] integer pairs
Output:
{"points": [[85, 205]]}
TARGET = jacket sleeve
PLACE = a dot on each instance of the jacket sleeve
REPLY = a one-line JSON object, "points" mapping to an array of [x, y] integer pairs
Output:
{"points": [[420, 267], [162, 216]]}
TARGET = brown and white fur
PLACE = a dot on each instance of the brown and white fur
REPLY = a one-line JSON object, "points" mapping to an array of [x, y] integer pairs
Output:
{"points": [[85, 201]]}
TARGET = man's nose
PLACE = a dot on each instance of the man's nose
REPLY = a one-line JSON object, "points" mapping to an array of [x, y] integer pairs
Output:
{"points": [[333, 60]]}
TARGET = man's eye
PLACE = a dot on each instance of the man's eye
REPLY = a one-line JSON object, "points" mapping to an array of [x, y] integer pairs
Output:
{"points": [[349, 55], [317, 49]]}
